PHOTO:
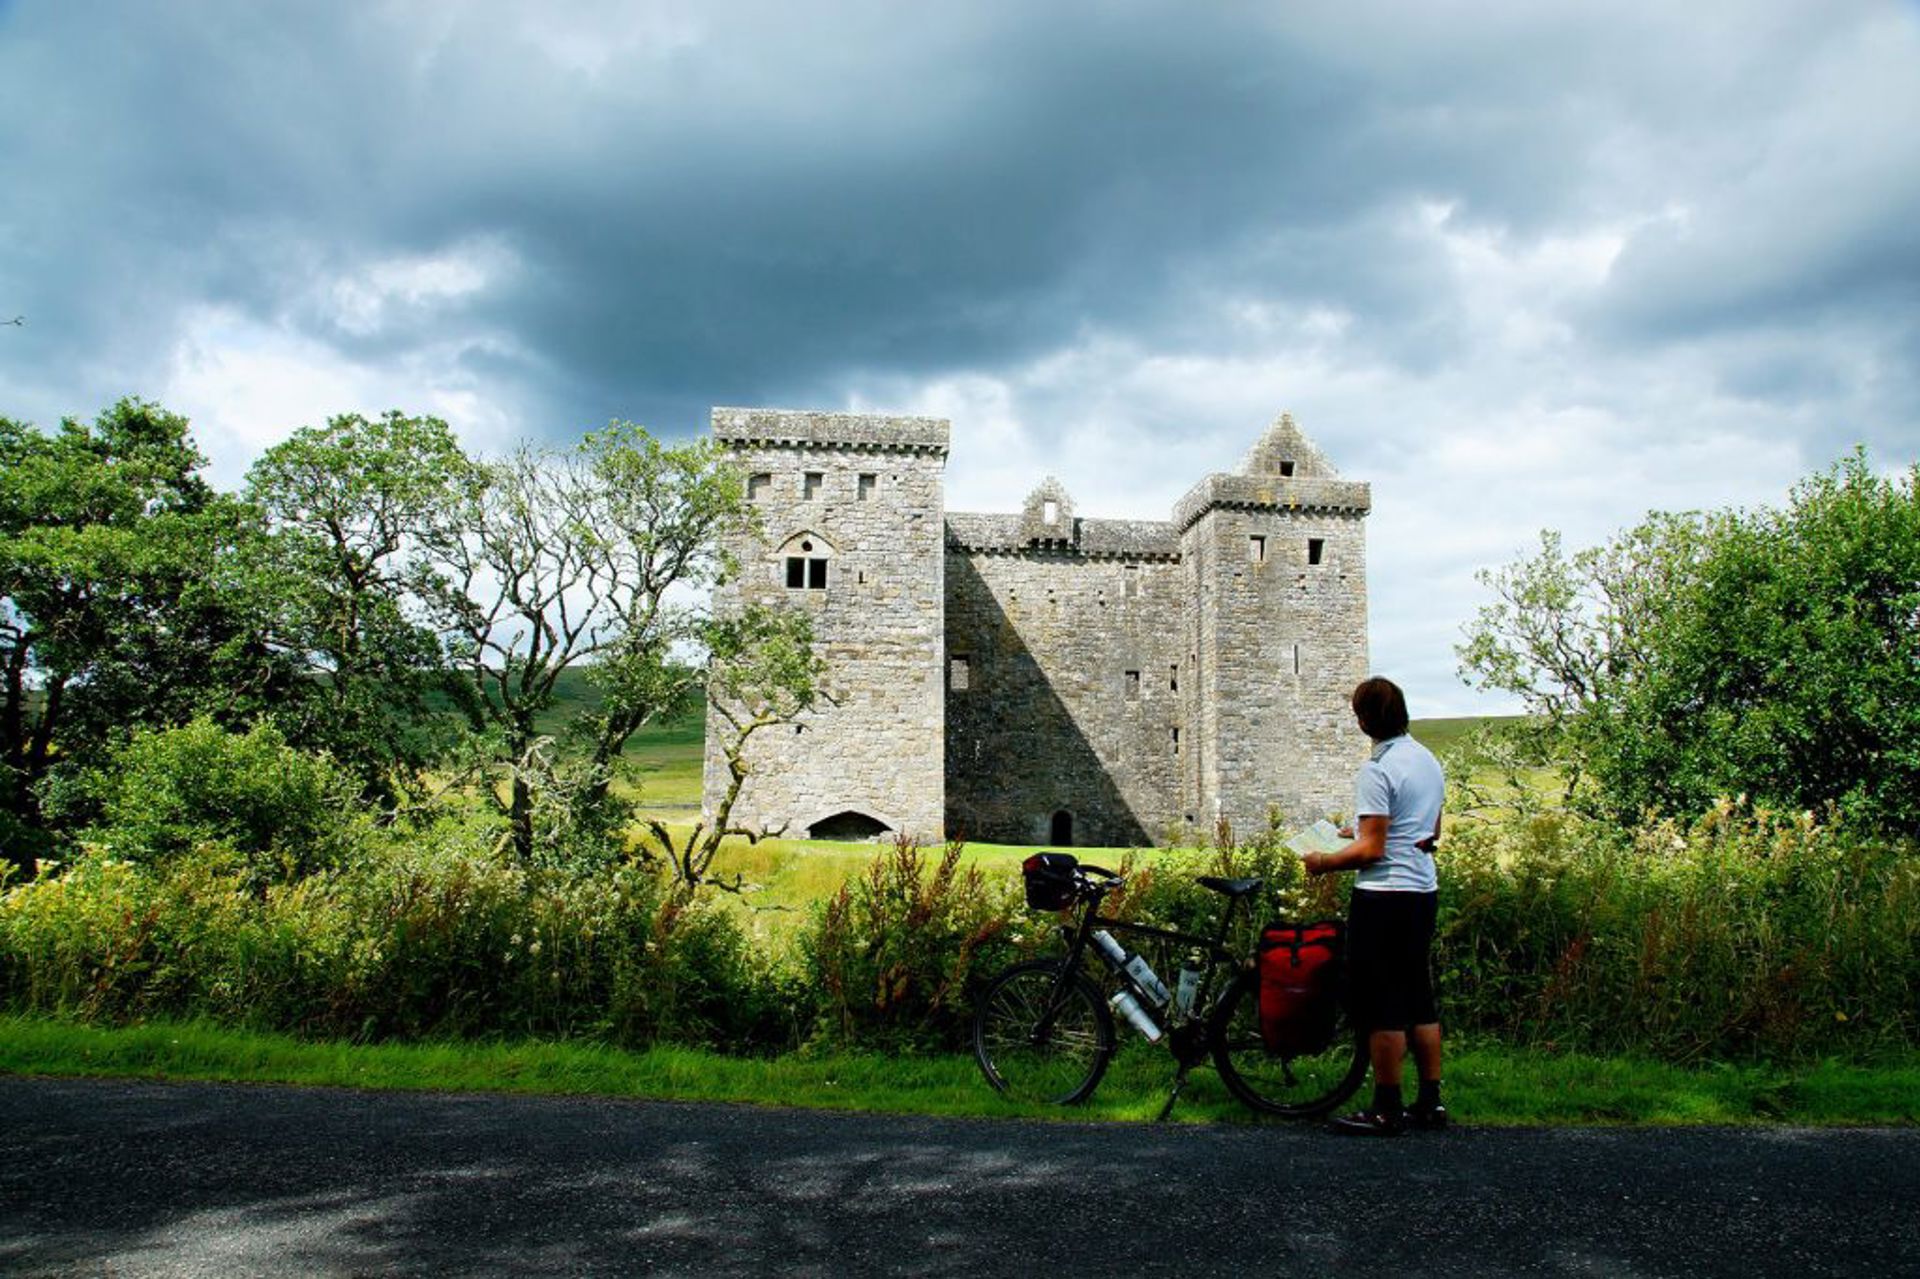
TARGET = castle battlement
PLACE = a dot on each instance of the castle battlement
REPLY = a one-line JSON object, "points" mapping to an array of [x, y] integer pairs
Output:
{"points": [[805, 429]]}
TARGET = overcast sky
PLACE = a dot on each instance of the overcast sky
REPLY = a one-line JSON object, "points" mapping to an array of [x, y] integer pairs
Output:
{"points": [[1518, 265]]}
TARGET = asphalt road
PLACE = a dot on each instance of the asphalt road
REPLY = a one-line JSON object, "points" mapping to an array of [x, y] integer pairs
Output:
{"points": [[109, 1178]]}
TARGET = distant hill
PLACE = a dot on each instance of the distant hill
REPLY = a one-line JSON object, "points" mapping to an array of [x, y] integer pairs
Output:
{"points": [[1441, 735]]}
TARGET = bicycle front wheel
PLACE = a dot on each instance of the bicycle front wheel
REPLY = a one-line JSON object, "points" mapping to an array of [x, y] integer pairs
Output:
{"points": [[1298, 1087], [1042, 1034]]}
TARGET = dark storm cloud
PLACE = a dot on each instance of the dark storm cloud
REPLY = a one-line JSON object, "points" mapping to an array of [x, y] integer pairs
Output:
{"points": [[791, 195]]}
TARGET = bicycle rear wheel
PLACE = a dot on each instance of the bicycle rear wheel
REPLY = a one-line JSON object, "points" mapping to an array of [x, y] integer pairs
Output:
{"points": [[1032, 1056], [1298, 1087]]}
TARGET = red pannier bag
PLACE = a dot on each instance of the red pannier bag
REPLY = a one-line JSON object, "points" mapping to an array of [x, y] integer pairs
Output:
{"points": [[1300, 985]]}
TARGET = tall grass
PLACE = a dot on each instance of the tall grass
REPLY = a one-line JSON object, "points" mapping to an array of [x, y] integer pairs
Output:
{"points": [[436, 933], [1746, 936]]}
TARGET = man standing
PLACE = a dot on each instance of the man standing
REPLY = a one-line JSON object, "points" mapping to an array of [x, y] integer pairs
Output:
{"points": [[1390, 918]]}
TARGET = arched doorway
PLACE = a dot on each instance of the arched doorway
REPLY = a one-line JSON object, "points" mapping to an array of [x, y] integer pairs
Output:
{"points": [[1062, 833], [848, 825]]}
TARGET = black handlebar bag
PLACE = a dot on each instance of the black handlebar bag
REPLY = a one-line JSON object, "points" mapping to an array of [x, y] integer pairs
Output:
{"points": [[1050, 880]]}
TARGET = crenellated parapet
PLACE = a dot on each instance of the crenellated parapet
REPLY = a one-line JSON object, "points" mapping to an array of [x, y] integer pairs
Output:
{"points": [[1272, 493], [854, 432]]}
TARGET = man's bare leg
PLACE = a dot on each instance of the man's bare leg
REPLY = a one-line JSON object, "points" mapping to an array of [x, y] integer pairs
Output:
{"points": [[1426, 1051], [1388, 1048]]}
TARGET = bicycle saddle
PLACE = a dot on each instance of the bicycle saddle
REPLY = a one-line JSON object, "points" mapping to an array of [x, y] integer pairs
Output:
{"points": [[1230, 887]]}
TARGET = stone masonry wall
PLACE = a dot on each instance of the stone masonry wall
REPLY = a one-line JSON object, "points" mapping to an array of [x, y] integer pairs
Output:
{"points": [[1069, 704], [879, 621], [1282, 642]]}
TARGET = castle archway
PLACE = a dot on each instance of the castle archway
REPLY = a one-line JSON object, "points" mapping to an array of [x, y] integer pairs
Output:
{"points": [[848, 824], [1062, 829]]}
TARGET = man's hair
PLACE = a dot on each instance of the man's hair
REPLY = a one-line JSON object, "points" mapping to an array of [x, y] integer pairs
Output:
{"points": [[1381, 708]]}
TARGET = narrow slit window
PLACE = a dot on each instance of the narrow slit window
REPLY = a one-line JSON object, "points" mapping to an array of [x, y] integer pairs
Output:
{"points": [[757, 486], [1173, 678], [1296, 659], [1133, 685], [1316, 549], [1132, 581], [959, 674], [1176, 741], [867, 485], [813, 481], [1257, 549]]}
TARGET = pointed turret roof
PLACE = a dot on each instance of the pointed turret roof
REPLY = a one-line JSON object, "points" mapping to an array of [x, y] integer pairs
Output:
{"points": [[1285, 451]]}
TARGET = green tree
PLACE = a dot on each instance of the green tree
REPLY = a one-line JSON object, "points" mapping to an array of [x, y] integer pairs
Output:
{"points": [[763, 671], [115, 559], [590, 559], [1774, 653], [350, 509]]}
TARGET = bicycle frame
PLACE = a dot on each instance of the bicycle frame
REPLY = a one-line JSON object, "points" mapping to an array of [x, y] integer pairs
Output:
{"points": [[1215, 949]]}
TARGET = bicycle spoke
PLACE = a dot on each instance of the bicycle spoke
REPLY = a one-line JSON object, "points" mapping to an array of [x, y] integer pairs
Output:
{"points": [[1039, 1041]]}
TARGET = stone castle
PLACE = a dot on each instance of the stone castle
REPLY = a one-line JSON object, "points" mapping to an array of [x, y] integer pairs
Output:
{"points": [[1044, 677]]}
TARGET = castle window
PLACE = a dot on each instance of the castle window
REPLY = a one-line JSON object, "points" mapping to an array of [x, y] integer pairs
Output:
{"points": [[1316, 549], [1133, 686], [867, 485], [959, 674], [757, 486], [1257, 549], [1132, 579], [806, 572], [812, 488], [1286, 468], [1173, 678], [1296, 659], [1050, 512], [1176, 741]]}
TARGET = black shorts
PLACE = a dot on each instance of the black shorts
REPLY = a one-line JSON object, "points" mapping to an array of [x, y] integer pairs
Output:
{"points": [[1389, 977]]}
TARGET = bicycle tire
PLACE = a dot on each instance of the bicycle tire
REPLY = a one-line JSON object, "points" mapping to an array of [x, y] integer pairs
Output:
{"points": [[1063, 1066], [1299, 1087]]}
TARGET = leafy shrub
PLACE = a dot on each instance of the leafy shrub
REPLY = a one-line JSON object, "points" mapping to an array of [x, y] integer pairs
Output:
{"points": [[246, 801], [1747, 932], [896, 956]]}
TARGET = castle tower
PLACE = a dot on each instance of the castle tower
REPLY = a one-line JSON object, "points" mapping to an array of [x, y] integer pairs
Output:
{"points": [[852, 529], [1274, 558]]}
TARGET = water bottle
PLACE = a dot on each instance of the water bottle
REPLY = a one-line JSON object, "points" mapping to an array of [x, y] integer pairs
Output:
{"points": [[1147, 980], [1186, 987], [1109, 950], [1127, 1006], [1134, 968]]}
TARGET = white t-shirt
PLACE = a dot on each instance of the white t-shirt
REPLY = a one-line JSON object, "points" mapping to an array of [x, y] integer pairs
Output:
{"points": [[1403, 783]]}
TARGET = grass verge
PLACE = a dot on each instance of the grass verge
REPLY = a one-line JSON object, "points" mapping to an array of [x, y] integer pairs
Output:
{"points": [[1485, 1085]]}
